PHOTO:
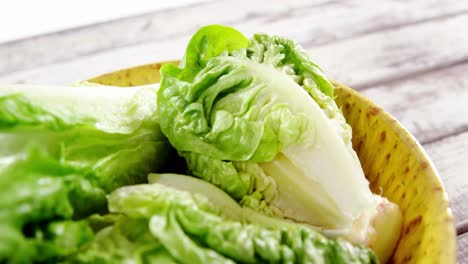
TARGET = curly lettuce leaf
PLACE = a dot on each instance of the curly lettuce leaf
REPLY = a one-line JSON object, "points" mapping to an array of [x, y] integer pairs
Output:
{"points": [[186, 226]]}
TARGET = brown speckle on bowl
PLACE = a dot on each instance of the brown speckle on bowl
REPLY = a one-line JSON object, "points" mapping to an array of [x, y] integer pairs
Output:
{"points": [[374, 110], [424, 165], [413, 224], [383, 135]]}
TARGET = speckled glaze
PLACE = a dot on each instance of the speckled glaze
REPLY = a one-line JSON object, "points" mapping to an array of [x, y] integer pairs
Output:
{"points": [[393, 161], [398, 167]]}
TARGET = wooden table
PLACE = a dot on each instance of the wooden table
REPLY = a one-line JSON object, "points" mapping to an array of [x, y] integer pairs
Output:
{"points": [[411, 57]]}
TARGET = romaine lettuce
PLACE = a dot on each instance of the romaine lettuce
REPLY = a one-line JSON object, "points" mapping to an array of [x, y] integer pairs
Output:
{"points": [[177, 220], [62, 149], [260, 122]]}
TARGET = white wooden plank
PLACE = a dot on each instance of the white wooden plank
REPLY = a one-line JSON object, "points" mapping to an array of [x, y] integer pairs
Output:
{"points": [[93, 65], [309, 22], [430, 106], [37, 20], [390, 55], [450, 157], [462, 252], [356, 62]]}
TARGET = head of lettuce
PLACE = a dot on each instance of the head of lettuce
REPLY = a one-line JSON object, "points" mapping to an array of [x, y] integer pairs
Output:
{"points": [[257, 118]]}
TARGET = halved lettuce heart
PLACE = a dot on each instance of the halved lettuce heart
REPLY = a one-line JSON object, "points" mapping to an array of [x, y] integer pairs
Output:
{"points": [[243, 111], [260, 122]]}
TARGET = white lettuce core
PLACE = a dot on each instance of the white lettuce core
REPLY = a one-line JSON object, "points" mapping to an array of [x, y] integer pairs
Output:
{"points": [[320, 180]]}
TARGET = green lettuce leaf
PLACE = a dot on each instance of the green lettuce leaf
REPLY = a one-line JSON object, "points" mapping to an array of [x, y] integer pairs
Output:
{"points": [[126, 240], [209, 42], [62, 150], [176, 217]]}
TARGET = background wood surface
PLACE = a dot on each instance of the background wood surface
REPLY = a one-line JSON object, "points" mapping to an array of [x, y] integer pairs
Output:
{"points": [[410, 57]]}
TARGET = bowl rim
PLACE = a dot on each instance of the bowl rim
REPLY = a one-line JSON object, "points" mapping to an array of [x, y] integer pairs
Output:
{"points": [[431, 171]]}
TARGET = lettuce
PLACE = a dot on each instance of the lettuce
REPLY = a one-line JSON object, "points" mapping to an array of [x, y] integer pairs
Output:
{"points": [[259, 121], [62, 150], [254, 119], [176, 220]]}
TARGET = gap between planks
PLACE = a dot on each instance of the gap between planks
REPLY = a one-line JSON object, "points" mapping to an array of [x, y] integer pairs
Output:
{"points": [[462, 227], [355, 18], [411, 75], [462, 252], [431, 106]]}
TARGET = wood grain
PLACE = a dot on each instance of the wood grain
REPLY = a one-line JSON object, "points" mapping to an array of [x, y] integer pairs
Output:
{"points": [[357, 62], [312, 23], [431, 106], [462, 253], [395, 54]]}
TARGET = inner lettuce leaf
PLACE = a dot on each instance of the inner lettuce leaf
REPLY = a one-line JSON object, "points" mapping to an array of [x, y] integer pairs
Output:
{"points": [[177, 220], [260, 122], [239, 113], [62, 150]]}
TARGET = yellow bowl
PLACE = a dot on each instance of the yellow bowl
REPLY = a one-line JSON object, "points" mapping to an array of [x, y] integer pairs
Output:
{"points": [[393, 161]]}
